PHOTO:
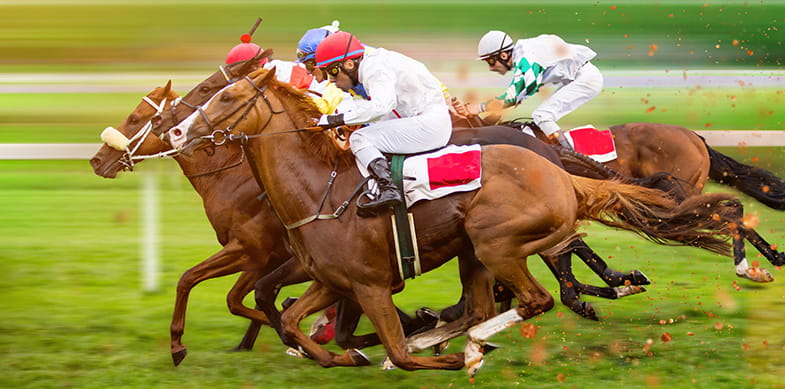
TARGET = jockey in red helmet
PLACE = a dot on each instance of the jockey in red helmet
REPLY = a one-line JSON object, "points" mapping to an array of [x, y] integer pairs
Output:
{"points": [[394, 83], [244, 51]]}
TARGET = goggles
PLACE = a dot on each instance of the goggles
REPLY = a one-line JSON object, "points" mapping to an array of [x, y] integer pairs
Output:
{"points": [[333, 69], [301, 55], [310, 64], [491, 60]]}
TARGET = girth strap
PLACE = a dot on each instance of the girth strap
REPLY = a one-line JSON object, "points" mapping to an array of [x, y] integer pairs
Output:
{"points": [[403, 227]]}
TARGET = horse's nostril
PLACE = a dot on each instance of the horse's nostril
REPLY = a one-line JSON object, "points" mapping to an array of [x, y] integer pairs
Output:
{"points": [[95, 161]]}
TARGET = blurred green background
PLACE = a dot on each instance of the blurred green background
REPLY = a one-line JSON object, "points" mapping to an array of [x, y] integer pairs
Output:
{"points": [[75, 315]]}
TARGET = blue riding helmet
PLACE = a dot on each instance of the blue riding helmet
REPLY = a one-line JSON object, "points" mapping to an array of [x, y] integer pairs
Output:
{"points": [[306, 48]]}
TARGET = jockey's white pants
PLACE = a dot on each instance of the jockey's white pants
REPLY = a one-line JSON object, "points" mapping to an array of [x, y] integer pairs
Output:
{"points": [[587, 84], [427, 131]]}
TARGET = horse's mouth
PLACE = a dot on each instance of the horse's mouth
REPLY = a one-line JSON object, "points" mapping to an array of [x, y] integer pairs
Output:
{"points": [[106, 168], [190, 146]]}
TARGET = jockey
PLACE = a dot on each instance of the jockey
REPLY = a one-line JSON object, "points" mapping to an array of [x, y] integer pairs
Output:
{"points": [[293, 73], [545, 59], [393, 82], [331, 95]]}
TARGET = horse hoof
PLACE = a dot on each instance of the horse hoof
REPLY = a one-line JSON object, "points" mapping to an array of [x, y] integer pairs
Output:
{"points": [[387, 364], [288, 302], [628, 290], [474, 357], [178, 356], [488, 347], [439, 348], [587, 311], [295, 353], [428, 316], [757, 274], [240, 347], [358, 357], [638, 278]]}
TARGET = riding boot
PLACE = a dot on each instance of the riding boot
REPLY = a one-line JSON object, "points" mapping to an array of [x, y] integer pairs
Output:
{"points": [[388, 196], [559, 135]]}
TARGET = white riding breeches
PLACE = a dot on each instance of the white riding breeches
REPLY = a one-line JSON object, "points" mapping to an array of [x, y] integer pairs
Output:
{"points": [[587, 84], [427, 131]]}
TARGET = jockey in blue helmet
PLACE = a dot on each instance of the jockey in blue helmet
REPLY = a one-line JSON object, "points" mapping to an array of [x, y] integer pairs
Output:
{"points": [[306, 48]]}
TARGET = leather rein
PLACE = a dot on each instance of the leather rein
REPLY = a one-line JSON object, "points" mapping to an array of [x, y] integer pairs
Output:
{"points": [[220, 137]]}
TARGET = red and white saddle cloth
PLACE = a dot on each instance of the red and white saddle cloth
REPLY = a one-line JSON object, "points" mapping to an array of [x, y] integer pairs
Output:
{"points": [[598, 144], [434, 175]]}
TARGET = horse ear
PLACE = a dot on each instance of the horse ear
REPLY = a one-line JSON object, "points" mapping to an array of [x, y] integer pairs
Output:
{"points": [[261, 55], [269, 75], [168, 87]]}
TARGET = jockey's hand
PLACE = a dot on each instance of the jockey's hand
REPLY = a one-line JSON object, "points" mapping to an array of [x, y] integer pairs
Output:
{"points": [[464, 109], [331, 121]]}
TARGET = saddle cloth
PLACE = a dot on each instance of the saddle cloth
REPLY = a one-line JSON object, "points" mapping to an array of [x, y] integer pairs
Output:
{"points": [[430, 176], [597, 144]]}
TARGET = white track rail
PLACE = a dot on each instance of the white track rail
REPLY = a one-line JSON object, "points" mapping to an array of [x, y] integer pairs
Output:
{"points": [[716, 138]]}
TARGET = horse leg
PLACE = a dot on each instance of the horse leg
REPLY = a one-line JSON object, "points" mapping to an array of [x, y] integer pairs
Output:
{"points": [[598, 266], [533, 299], [561, 267], [775, 257], [739, 233], [234, 300], [348, 316], [229, 260], [376, 302], [315, 298], [267, 289]]}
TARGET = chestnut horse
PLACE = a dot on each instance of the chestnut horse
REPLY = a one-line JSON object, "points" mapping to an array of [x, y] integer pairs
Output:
{"points": [[233, 208], [647, 148], [255, 245], [526, 205]]}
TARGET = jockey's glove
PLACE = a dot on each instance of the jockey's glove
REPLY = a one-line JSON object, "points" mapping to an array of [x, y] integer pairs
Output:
{"points": [[331, 121]]}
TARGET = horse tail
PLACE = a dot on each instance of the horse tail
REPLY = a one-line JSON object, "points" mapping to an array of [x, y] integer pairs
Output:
{"points": [[758, 183], [583, 165], [700, 221]]}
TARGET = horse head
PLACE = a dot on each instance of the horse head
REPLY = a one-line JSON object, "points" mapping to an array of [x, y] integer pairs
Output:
{"points": [[244, 108], [227, 74], [123, 145]]}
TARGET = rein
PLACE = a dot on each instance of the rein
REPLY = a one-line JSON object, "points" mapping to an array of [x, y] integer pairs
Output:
{"points": [[219, 137]]}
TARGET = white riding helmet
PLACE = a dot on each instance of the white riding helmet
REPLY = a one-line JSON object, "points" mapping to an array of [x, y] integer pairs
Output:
{"points": [[492, 43]]}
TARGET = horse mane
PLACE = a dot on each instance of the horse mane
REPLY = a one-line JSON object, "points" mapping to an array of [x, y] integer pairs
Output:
{"points": [[304, 112]]}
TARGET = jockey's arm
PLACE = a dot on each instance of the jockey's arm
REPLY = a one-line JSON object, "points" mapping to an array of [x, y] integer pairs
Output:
{"points": [[381, 86]]}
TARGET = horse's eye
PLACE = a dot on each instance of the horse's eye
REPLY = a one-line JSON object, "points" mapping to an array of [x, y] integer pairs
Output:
{"points": [[225, 98], [156, 120], [133, 119], [204, 89]]}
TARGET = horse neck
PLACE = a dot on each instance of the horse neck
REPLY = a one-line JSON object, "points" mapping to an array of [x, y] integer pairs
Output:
{"points": [[222, 191], [287, 165]]}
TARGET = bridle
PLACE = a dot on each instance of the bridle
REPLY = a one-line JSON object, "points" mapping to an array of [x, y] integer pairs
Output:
{"points": [[127, 160], [219, 137]]}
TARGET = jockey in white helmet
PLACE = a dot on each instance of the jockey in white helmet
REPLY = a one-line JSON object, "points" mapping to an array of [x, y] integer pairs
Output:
{"points": [[545, 59]]}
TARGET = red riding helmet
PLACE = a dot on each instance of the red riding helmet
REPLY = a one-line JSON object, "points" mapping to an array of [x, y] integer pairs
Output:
{"points": [[245, 50], [338, 47]]}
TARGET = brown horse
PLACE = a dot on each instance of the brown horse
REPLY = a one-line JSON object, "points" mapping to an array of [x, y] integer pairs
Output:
{"points": [[647, 148], [225, 182], [233, 208], [526, 205]]}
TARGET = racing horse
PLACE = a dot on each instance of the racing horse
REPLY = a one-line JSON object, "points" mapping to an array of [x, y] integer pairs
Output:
{"points": [[253, 239], [646, 148], [352, 257], [232, 208]]}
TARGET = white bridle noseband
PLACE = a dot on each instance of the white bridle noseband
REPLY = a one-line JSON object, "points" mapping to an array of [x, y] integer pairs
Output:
{"points": [[118, 141]]}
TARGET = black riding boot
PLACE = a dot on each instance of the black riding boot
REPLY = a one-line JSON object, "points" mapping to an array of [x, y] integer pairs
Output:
{"points": [[388, 196]]}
